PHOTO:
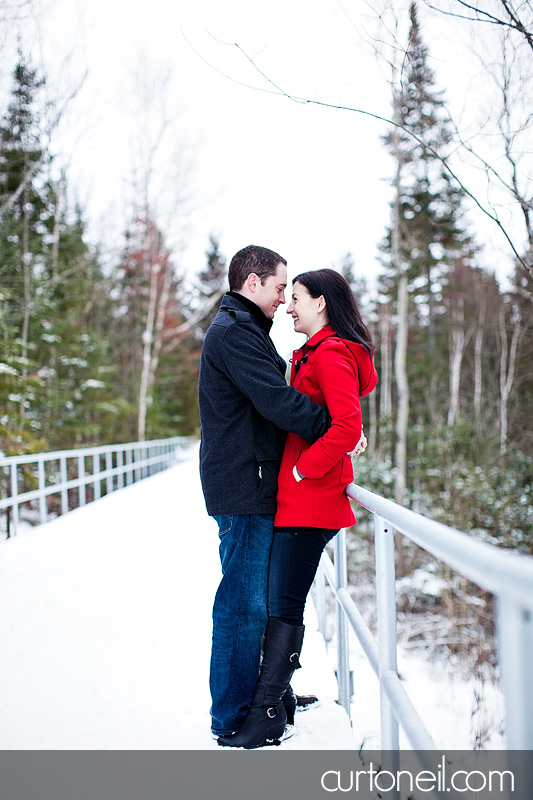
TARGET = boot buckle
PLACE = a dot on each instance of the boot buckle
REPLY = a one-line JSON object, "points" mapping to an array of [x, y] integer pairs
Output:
{"points": [[271, 712], [294, 659]]}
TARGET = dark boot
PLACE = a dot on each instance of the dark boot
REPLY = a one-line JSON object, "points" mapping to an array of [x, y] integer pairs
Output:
{"points": [[306, 701], [297, 702], [266, 719], [289, 701]]}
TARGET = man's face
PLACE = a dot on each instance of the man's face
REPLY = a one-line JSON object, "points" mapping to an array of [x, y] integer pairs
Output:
{"points": [[271, 294]]}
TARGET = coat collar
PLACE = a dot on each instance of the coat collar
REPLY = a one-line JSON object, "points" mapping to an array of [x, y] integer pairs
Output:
{"points": [[319, 336], [300, 356], [249, 305]]}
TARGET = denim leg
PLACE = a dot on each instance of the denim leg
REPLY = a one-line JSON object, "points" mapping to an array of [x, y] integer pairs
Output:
{"points": [[239, 616], [293, 564]]}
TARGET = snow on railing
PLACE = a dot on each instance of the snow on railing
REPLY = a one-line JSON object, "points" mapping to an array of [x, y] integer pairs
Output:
{"points": [[507, 575], [57, 482]]}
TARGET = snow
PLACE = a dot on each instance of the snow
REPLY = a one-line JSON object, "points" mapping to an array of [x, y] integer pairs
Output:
{"points": [[460, 713], [92, 384], [106, 630], [6, 369], [422, 581]]}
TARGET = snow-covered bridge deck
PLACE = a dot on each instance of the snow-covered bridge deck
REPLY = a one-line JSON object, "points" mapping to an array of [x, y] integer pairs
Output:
{"points": [[105, 629]]}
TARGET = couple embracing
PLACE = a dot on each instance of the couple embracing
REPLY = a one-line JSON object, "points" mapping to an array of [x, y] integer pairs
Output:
{"points": [[274, 467]]}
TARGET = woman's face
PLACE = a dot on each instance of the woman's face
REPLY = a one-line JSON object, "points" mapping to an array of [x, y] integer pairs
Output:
{"points": [[309, 313]]}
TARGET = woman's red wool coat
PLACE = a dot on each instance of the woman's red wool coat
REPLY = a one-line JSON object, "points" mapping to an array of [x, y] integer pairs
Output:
{"points": [[333, 372]]}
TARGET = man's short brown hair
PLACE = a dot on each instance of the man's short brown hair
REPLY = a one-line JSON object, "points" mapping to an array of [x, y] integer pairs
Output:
{"points": [[260, 260]]}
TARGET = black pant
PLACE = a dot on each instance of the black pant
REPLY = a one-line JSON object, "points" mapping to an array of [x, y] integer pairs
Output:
{"points": [[294, 561]]}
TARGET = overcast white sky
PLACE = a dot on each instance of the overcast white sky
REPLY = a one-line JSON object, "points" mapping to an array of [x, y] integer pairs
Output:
{"points": [[309, 182]]}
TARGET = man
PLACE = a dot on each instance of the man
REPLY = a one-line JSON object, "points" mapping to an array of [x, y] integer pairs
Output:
{"points": [[246, 408]]}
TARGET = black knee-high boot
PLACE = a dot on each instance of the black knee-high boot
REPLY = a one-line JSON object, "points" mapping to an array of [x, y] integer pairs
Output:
{"points": [[266, 719], [289, 702]]}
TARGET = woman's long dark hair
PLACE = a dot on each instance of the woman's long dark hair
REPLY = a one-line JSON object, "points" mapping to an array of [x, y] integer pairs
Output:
{"points": [[343, 313]]}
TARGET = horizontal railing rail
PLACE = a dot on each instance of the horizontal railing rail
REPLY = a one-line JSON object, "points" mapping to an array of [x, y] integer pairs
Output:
{"points": [[507, 575], [30, 480]]}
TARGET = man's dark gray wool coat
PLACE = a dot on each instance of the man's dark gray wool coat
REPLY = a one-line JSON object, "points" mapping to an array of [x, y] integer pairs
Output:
{"points": [[246, 407]]}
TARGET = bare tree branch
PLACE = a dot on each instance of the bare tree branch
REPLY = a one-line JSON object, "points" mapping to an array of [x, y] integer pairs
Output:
{"points": [[177, 333], [278, 90], [481, 15], [12, 11]]}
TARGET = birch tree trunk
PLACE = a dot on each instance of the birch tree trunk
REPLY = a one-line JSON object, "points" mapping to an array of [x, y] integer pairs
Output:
{"points": [[372, 433], [400, 361], [162, 307], [478, 364], [400, 356], [148, 336], [506, 375], [456, 357], [459, 341], [373, 419], [385, 394], [400, 365]]}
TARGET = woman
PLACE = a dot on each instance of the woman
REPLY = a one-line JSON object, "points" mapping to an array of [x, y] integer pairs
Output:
{"points": [[334, 368]]}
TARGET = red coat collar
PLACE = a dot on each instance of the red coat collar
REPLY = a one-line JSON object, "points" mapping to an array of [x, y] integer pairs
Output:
{"points": [[319, 336]]}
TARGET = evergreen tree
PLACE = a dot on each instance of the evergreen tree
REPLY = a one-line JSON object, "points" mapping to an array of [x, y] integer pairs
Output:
{"points": [[431, 233], [69, 332], [21, 197], [212, 279], [22, 203], [52, 343], [358, 284]]}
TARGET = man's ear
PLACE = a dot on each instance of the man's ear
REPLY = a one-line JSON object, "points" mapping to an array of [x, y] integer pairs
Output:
{"points": [[252, 281]]}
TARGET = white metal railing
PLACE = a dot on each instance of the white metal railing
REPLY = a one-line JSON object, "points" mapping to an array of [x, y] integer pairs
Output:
{"points": [[507, 575], [74, 477]]}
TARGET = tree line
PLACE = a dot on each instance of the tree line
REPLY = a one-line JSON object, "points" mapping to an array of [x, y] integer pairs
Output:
{"points": [[91, 352], [96, 352]]}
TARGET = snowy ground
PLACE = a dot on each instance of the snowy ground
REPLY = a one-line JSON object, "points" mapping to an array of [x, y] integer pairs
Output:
{"points": [[460, 713], [106, 626]]}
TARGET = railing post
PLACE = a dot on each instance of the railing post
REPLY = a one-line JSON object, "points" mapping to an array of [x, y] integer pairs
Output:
{"points": [[14, 494], [109, 467], [129, 471], [42, 497], [343, 655], [82, 497], [120, 471], [386, 607], [63, 477], [137, 471], [515, 643], [96, 476]]}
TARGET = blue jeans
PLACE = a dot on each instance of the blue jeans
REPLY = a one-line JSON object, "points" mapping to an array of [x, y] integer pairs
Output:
{"points": [[239, 616], [293, 564]]}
